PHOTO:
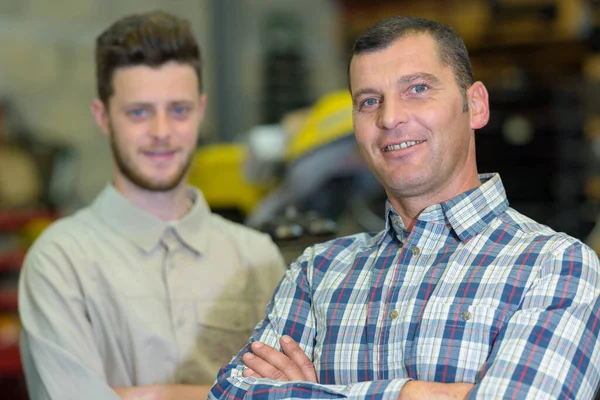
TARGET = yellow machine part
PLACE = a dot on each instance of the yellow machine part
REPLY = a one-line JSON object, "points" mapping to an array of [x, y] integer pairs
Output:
{"points": [[34, 228], [329, 119], [217, 169]]}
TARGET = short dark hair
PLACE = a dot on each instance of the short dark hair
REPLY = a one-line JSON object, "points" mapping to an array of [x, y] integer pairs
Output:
{"points": [[451, 48], [151, 39]]}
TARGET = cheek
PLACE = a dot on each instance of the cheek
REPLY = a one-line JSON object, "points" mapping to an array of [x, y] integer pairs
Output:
{"points": [[189, 135], [128, 132], [363, 145], [431, 118], [122, 140], [182, 128], [364, 131]]}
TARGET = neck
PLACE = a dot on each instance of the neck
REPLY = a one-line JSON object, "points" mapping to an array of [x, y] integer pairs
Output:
{"points": [[409, 208], [168, 205]]}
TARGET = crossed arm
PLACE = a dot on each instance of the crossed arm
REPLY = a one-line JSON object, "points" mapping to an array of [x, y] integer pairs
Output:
{"points": [[163, 392], [290, 374], [547, 348], [293, 365]]}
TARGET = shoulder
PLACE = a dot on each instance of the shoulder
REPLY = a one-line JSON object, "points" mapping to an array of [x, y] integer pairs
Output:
{"points": [[241, 234], [557, 251], [336, 255], [65, 238], [525, 224], [527, 234], [63, 230], [246, 240], [343, 246]]}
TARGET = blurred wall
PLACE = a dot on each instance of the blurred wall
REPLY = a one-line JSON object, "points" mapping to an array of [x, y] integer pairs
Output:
{"points": [[47, 71], [240, 27]]}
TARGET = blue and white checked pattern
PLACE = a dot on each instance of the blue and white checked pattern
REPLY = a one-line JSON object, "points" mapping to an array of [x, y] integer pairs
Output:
{"points": [[476, 292]]}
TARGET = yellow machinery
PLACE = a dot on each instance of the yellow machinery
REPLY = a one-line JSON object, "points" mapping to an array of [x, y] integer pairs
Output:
{"points": [[221, 170], [330, 119], [217, 169]]}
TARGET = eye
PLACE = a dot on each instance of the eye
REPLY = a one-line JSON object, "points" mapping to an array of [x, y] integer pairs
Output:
{"points": [[418, 89], [180, 111], [371, 101], [138, 113]]}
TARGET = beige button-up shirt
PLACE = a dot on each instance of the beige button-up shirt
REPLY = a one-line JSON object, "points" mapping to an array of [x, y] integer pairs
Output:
{"points": [[112, 296]]}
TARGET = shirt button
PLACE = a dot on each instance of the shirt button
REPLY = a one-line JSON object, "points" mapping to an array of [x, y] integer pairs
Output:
{"points": [[394, 314], [466, 315], [416, 251]]}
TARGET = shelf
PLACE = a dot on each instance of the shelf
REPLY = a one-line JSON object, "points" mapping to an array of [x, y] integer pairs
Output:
{"points": [[12, 260], [12, 220]]}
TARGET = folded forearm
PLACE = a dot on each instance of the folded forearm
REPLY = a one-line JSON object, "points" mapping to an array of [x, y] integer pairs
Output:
{"points": [[434, 390], [163, 392], [228, 388]]}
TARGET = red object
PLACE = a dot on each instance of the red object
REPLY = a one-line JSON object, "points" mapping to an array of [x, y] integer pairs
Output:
{"points": [[10, 362], [9, 300], [16, 219], [11, 261]]}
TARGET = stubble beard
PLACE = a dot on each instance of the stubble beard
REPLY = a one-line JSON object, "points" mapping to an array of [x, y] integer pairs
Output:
{"points": [[130, 171]]}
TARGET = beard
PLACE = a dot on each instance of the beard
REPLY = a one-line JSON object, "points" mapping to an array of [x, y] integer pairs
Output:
{"points": [[132, 172]]}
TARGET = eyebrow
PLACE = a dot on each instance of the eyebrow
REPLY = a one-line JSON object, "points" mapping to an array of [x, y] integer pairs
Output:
{"points": [[421, 76], [150, 104], [182, 101], [136, 104]]}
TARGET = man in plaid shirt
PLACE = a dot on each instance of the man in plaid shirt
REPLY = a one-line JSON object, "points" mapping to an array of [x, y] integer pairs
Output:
{"points": [[459, 296]]}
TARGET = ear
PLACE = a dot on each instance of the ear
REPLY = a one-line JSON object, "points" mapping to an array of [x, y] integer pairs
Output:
{"points": [[202, 106], [479, 107], [100, 113]]}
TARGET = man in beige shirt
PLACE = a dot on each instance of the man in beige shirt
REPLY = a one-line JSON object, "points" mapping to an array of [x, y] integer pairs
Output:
{"points": [[145, 293]]}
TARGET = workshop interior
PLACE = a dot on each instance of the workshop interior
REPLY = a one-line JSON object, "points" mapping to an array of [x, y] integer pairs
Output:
{"points": [[277, 149]]}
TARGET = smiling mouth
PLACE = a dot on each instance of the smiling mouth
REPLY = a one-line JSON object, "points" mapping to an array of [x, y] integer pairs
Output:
{"points": [[403, 145], [159, 153]]}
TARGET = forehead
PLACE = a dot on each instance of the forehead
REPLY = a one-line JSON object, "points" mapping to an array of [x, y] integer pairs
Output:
{"points": [[170, 81], [413, 54]]}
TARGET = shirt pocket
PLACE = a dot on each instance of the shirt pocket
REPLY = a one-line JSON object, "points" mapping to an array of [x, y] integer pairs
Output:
{"points": [[223, 328], [453, 341]]}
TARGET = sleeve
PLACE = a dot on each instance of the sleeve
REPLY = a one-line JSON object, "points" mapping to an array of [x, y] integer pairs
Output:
{"points": [[291, 312], [60, 358], [550, 347]]}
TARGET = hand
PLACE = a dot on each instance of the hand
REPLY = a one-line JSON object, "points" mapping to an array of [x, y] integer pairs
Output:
{"points": [[163, 392], [267, 362], [435, 391], [150, 392]]}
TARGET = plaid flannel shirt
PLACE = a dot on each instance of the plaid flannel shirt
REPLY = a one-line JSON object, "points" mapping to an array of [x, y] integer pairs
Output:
{"points": [[476, 292]]}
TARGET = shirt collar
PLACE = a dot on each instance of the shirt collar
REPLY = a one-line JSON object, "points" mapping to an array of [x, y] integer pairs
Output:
{"points": [[145, 230], [467, 214]]}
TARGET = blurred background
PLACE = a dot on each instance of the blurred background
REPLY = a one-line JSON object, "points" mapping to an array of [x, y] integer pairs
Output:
{"points": [[276, 150]]}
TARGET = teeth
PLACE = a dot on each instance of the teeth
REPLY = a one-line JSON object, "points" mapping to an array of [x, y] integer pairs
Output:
{"points": [[402, 145]]}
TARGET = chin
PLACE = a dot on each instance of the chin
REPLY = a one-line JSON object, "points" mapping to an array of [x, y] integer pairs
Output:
{"points": [[167, 182], [409, 187], [161, 184]]}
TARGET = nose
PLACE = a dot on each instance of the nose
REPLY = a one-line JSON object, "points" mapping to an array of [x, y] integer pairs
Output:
{"points": [[161, 128], [392, 113]]}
